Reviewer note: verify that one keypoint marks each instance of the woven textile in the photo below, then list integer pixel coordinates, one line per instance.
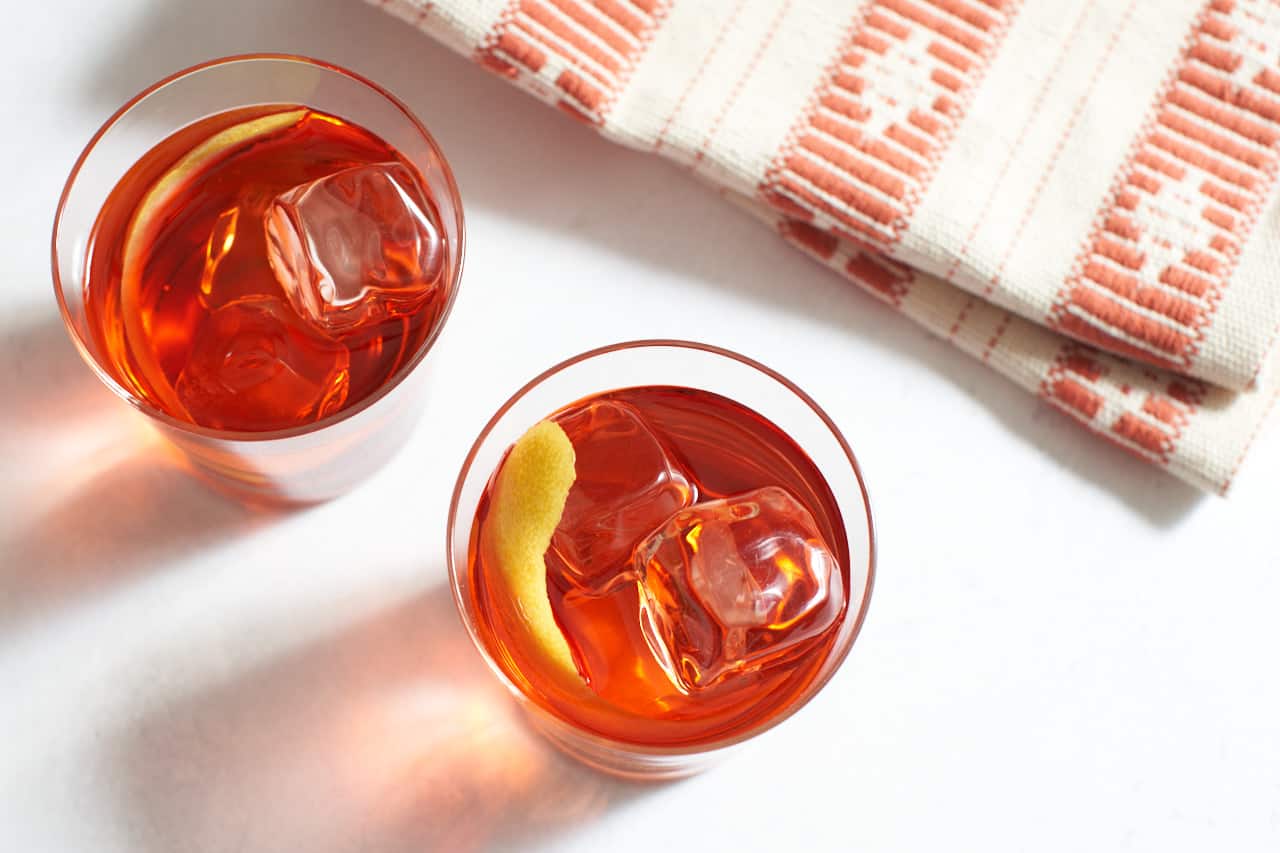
(1078, 192)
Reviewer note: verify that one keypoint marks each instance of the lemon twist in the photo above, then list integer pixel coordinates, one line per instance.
(528, 501)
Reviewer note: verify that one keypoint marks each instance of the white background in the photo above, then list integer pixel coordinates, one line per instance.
(1066, 650)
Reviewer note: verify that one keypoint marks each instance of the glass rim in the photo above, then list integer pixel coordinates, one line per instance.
(836, 658)
(343, 414)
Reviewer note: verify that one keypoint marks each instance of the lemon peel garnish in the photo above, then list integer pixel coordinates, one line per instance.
(528, 500)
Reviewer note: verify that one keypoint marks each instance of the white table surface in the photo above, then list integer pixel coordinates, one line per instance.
(1066, 650)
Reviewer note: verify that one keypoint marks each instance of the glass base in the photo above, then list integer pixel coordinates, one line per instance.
(622, 760)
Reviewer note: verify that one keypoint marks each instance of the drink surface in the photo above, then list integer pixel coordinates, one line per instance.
(699, 572)
(263, 268)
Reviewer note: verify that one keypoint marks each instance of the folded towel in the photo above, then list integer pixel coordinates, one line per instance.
(1081, 193)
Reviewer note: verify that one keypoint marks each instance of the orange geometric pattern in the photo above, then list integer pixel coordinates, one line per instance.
(867, 146)
(576, 54)
(1172, 265)
(1169, 236)
(882, 277)
(1150, 429)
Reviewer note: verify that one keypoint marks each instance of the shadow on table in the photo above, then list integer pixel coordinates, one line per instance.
(102, 500)
(387, 735)
(45, 385)
(521, 160)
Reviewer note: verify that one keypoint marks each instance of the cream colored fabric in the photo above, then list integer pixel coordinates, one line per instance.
(1078, 192)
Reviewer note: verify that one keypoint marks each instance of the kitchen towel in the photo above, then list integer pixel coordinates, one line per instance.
(1081, 193)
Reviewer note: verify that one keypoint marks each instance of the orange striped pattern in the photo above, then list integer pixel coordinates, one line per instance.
(865, 150)
(884, 278)
(841, 150)
(577, 54)
(1079, 384)
(1167, 241)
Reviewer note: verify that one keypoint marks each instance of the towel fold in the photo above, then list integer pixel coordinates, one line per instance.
(1080, 193)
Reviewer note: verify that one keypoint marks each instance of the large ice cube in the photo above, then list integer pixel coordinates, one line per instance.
(627, 486)
(733, 584)
(255, 365)
(356, 246)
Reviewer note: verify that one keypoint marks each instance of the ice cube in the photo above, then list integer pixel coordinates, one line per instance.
(733, 584)
(628, 485)
(355, 247)
(255, 365)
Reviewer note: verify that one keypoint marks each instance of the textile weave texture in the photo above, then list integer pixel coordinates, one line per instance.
(1080, 193)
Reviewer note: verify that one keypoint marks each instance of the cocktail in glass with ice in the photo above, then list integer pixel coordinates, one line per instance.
(255, 253)
(664, 566)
